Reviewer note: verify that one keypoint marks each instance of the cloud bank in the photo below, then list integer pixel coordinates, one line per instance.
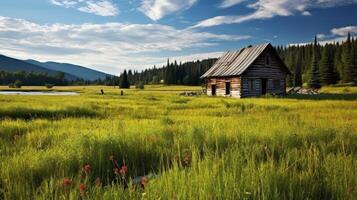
(109, 46)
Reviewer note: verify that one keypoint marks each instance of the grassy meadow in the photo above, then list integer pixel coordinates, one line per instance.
(155, 144)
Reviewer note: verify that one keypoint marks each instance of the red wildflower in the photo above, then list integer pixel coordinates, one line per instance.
(123, 170)
(87, 169)
(116, 171)
(82, 189)
(67, 182)
(144, 181)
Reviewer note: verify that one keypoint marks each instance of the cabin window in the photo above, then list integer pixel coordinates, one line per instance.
(276, 84)
(267, 60)
(228, 88)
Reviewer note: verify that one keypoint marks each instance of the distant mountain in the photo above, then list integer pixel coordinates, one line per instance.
(76, 70)
(14, 65)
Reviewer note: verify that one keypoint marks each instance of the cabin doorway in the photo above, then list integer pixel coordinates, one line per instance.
(264, 86)
(228, 88)
(213, 90)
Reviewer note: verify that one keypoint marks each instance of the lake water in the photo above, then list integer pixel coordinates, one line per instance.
(51, 93)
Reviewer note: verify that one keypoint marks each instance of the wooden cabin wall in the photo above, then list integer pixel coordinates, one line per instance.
(257, 89)
(274, 73)
(221, 86)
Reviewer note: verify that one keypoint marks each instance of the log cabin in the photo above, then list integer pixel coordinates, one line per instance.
(250, 72)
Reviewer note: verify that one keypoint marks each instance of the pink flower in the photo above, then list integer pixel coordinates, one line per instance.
(123, 170)
(87, 169)
(67, 182)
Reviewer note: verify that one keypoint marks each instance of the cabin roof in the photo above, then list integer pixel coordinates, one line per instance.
(234, 63)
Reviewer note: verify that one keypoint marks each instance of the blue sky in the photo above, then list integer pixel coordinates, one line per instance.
(112, 35)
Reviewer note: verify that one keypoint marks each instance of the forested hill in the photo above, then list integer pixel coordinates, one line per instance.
(14, 65)
(84, 73)
(336, 63)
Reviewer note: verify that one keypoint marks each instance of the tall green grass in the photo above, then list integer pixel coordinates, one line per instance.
(188, 147)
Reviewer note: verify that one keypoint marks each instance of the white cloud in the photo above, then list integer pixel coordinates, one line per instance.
(102, 8)
(109, 47)
(306, 13)
(320, 36)
(97, 7)
(157, 9)
(266, 9)
(343, 31)
(65, 3)
(230, 3)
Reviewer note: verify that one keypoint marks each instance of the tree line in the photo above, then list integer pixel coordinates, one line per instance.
(173, 73)
(319, 65)
(32, 78)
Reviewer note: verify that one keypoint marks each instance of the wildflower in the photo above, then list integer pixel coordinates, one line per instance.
(116, 171)
(98, 182)
(111, 158)
(123, 170)
(350, 190)
(82, 189)
(16, 137)
(67, 182)
(187, 159)
(144, 181)
(87, 169)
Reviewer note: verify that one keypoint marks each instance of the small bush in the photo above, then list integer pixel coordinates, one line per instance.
(18, 84)
(140, 85)
(49, 86)
(346, 90)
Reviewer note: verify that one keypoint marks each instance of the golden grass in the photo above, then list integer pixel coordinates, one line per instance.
(188, 147)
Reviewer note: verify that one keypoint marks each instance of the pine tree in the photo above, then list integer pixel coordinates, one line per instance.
(124, 81)
(354, 62)
(314, 81)
(347, 73)
(338, 61)
(328, 76)
(297, 73)
(130, 76)
(169, 73)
